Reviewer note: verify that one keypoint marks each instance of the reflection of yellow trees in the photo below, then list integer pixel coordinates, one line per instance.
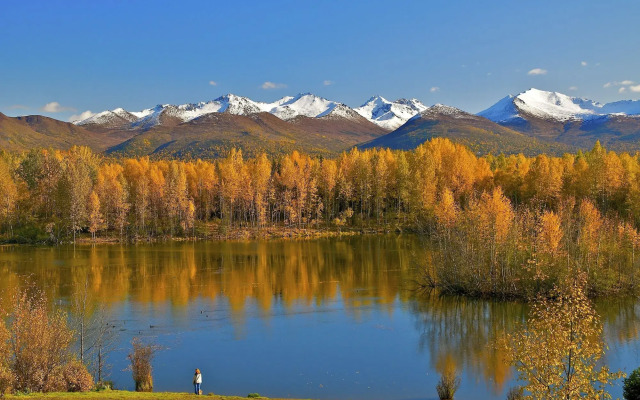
(264, 272)
(458, 333)
(621, 319)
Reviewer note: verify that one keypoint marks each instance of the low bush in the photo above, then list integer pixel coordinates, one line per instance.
(76, 377)
(40, 357)
(141, 357)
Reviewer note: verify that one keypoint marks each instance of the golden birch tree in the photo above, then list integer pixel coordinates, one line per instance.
(558, 353)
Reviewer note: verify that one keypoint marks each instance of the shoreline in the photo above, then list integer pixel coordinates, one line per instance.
(126, 395)
(213, 234)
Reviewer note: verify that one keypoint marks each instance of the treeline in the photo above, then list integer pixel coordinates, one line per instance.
(55, 195)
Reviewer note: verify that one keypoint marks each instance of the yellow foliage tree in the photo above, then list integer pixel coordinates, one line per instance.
(8, 195)
(446, 210)
(557, 355)
(550, 232)
(95, 216)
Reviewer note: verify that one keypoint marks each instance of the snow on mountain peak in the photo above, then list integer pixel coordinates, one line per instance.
(412, 103)
(110, 118)
(504, 110)
(554, 106)
(377, 99)
(288, 107)
(390, 115)
(305, 104)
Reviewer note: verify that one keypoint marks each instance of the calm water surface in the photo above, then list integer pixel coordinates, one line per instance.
(329, 318)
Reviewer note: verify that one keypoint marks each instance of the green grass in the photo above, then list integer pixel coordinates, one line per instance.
(122, 395)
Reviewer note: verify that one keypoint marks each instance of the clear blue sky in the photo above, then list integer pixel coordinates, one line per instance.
(97, 55)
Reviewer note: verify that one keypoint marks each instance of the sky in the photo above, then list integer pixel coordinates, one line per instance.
(63, 58)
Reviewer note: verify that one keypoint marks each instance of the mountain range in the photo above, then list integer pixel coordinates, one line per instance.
(378, 110)
(531, 122)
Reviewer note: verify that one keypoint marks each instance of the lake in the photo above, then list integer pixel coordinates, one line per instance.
(332, 318)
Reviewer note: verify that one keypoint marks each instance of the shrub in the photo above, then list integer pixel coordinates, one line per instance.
(448, 385)
(253, 395)
(141, 357)
(41, 343)
(71, 377)
(631, 386)
(76, 377)
(35, 349)
(7, 378)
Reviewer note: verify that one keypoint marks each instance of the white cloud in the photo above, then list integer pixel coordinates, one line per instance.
(622, 90)
(573, 88)
(213, 83)
(583, 63)
(434, 89)
(272, 85)
(626, 82)
(537, 71)
(635, 88)
(55, 107)
(18, 107)
(328, 82)
(81, 116)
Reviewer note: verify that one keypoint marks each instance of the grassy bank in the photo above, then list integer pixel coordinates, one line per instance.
(121, 394)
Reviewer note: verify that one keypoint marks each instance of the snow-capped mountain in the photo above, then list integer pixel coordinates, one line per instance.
(286, 108)
(111, 119)
(554, 106)
(305, 104)
(531, 111)
(479, 133)
(228, 103)
(390, 114)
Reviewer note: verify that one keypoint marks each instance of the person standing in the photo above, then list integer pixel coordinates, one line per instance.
(197, 381)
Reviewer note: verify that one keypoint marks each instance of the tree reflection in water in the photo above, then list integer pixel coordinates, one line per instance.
(288, 271)
(459, 332)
